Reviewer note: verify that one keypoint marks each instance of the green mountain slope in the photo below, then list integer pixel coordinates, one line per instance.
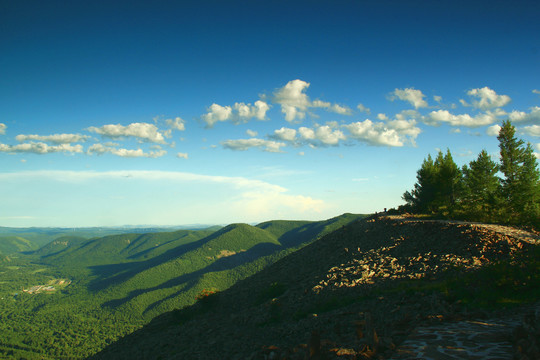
(379, 275)
(122, 248)
(115, 284)
(14, 244)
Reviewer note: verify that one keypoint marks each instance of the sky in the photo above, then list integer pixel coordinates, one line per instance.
(215, 112)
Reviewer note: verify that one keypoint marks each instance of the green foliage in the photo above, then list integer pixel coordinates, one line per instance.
(482, 188)
(476, 192)
(437, 187)
(120, 282)
(521, 182)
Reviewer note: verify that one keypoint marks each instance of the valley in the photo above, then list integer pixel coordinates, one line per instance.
(73, 296)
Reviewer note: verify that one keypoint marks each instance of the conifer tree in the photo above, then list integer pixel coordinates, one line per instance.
(521, 181)
(448, 180)
(437, 186)
(423, 194)
(481, 186)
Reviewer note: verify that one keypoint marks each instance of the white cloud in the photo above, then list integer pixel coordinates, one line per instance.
(362, 108)
(101, 149)
(336, 108)
(3, 128)
(393, 133)
(40, 148)
(294, 102)
(437, 98)
(306, 133)
(246, 112)
(438, 117)
(328, 136)
(533, 130)
(56, 138)
(285, 134)
(239, 113)
(177, 123)
(217, 113)
(486, 98)
(142, 131)
(252, 133)
(245, 144)
(523, 117)
(493, 130)
(382, 116)
(536, 91)
(411, 95)
(537, 154)
(182, 155)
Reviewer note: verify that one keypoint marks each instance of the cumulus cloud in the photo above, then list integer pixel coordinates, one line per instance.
(252, 133)
(364, 109)
(536, 91)
(40, 148)
(182, 155)
(285, 134)
(522, 117)
(437, 98)
(295, 103)
(217, 113)
(486, 98)
(239, 113)
(56, 138)
(101, 149)
(411, 95)
(3, 128)
(393, 133)
(533, 130)
(336, 108)
(328, 136)
(245, 144)
(493, 130)
(142, 131)
(176, 124)
(439, 117)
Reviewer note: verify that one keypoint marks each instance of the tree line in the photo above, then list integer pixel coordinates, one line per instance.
(507, 191)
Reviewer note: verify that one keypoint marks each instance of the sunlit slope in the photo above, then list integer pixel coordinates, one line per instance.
(121, 248)
(14, 244)
(216, 262)
(59, 245)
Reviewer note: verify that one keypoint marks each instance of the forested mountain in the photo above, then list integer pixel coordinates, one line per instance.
(79, 294)
(14, 244)
(355, 293)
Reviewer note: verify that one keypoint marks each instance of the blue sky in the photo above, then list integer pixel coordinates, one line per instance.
(168, 113)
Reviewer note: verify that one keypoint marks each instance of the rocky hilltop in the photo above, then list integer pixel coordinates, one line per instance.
(355, 293)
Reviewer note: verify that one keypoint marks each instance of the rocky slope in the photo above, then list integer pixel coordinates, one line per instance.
(355, 293)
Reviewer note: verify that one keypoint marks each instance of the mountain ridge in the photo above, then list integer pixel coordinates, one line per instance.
(364, 267)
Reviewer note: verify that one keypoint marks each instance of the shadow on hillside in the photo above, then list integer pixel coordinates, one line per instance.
(189, 280)
(124, 271)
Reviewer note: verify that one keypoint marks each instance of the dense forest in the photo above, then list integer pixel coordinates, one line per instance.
(75, 295)
(506, 192)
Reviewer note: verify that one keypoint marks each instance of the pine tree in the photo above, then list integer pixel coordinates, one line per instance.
(481, 187)
(521, 182)
(448, 180)
(437, 187)
(423, 194)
